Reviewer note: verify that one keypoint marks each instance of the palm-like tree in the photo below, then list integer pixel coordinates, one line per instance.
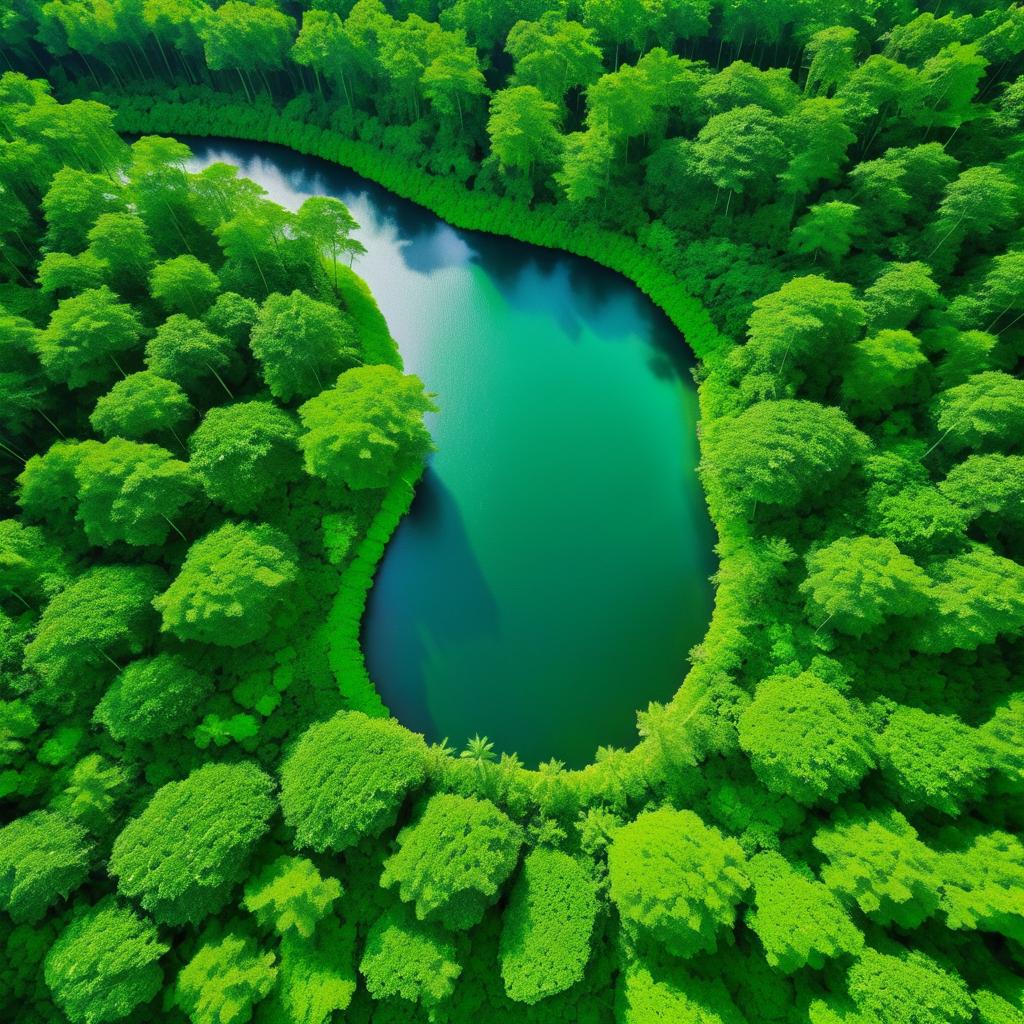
(480, 750)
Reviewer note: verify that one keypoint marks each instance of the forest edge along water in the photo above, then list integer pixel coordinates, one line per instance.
(553, 571)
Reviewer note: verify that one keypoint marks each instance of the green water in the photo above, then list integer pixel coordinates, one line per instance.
(553, 572)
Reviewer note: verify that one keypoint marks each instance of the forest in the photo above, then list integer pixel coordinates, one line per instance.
(206, 438)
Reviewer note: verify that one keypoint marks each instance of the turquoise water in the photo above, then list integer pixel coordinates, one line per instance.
(553, 572)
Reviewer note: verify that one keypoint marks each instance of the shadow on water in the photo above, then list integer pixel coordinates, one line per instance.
(430, 627)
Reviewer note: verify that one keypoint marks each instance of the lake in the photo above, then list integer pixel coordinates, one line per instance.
(552, 574)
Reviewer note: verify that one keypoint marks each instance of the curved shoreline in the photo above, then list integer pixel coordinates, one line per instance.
(503, 217)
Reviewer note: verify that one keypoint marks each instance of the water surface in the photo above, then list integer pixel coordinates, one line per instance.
(553, 572)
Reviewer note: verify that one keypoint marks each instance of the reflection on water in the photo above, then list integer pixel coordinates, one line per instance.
(553, 571)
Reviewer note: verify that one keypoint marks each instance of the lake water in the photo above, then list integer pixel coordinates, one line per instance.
(553, 572)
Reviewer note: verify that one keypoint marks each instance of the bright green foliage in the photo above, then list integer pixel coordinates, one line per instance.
(104, 614)
(184, 285)
(779, 454)
(346, 778)
(855, 584)
(185, 351)
(909, 988)
(43, 857)
(85, 336)
(979, 596)
(104, 964)
(224, 980)
(229, 586)
(679, 998)
(545, 937)
(62, 275)
(804, 738)
(131, 492)
(827, 228)
(140, 406)
(920, 520)
(882, 372)
(739, 149)
(73, 203)
(21, 375)
(232, 316)
(30, 566)
(798, 920)
(931, 760)
(1004, 733)
(676, 880)
(554, 54)
(120, 241)
(365, 429)
(326, 224)
(407, 959)
(302, 345)
(986, 411)
(244, 453)
(453, 860)
(290, 895)
(522, 129)
(152, 697)
(899, 295)
(158, 860)
(876, 861)
(316, 976)
(47, 486)
(238, 36)
(983, 885)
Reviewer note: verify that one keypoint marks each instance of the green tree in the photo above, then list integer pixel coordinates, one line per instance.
(832, 56)
(856, 583)
(43, 858)
(805, 739)
(899, 295)
(240, 37)
(326, 224)
(586, 164)
(980, 200)
(120, 242)
(22, 383)
(876, 861)
(989, 488)
(224, 980)
(740, 150)
(777, 454)
(142, 405)
(676, 996)
(346, 778)
(157, 859)
(75, 200)
(826, 228)
(244, 453)
(230, 585)
(104, 964)
(908, 988)
(523, 130)
(302, 345)
(798, 920)
(64, 275)
(451, 81)
(187, 352)
(554, 54)
(654, 864)
(232, 316)
(47, 488)
(184, 285)
(291, 896)
(31, 567)
(152, 697)
(987, 411)
(317, 976)
(545, 936)
(453, 860)
(931, 760)
(84, 337)
(131, 492)
(818, 136)
(408, 959)
(103, 615)
(362, 432)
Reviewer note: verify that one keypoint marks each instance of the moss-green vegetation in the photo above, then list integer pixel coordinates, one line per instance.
(821, 827)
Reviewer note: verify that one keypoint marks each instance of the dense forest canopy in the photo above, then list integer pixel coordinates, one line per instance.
(206, 437)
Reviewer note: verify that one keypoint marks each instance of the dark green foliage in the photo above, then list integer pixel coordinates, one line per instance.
(152, 697)
(675, 880)
(229, 586)
(408, 959)
(453, 860)
(43, 858)
(104, 964)
(365, 429)
(244, 453)
(805, 739)
(545, 937)
(158, 860)
(346, 778)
